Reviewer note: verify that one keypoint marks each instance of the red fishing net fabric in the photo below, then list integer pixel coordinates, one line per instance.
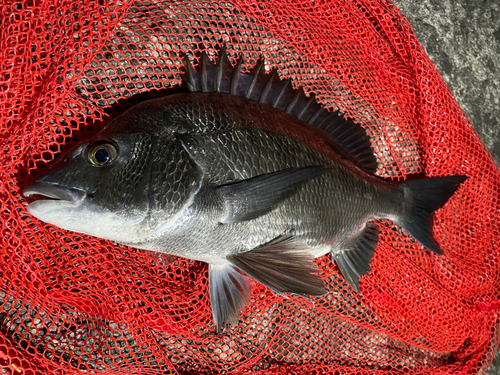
(71, 303)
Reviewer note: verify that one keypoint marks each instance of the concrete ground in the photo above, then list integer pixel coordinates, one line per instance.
(462, 37)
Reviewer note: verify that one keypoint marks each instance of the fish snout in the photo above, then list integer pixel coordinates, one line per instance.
(48, 191)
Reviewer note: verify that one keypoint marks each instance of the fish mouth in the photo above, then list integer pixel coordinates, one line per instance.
(41, 191)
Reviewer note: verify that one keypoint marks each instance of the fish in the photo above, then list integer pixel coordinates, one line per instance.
(243, 172)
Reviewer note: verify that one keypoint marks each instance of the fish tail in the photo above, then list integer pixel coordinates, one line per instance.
(426, 196)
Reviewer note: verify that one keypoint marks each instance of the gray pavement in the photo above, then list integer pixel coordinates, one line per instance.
(462, 38)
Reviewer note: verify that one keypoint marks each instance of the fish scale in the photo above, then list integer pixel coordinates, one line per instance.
(244, 173)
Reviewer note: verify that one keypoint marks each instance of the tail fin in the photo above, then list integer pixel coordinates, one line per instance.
(427, 195)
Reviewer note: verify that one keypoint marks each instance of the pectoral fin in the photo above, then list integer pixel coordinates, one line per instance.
(249, 199)
(355, 262)
(283, 265)
(229, 290)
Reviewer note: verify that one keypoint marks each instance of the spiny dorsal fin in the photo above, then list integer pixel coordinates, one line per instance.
(349, 139)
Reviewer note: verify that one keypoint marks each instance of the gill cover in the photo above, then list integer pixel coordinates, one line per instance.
(175, 178)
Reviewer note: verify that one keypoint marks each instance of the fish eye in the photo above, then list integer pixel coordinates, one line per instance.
(102, 153)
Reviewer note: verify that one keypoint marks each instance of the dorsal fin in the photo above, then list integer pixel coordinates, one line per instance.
(349, 139)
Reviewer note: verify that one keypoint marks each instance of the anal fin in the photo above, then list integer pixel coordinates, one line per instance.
(355, 262)
(229, 290)
(284, 265)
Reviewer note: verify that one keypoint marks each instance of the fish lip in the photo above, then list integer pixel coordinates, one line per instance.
(41, 190)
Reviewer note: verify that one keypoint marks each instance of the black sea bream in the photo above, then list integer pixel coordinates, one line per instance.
(244, 173)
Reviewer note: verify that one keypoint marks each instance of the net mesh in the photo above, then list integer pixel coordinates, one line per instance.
(71, 303)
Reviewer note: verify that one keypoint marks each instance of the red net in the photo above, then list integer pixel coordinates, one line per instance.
(71, 303)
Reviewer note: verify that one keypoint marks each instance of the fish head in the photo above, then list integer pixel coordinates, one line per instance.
(126, 183)
(100, 187)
